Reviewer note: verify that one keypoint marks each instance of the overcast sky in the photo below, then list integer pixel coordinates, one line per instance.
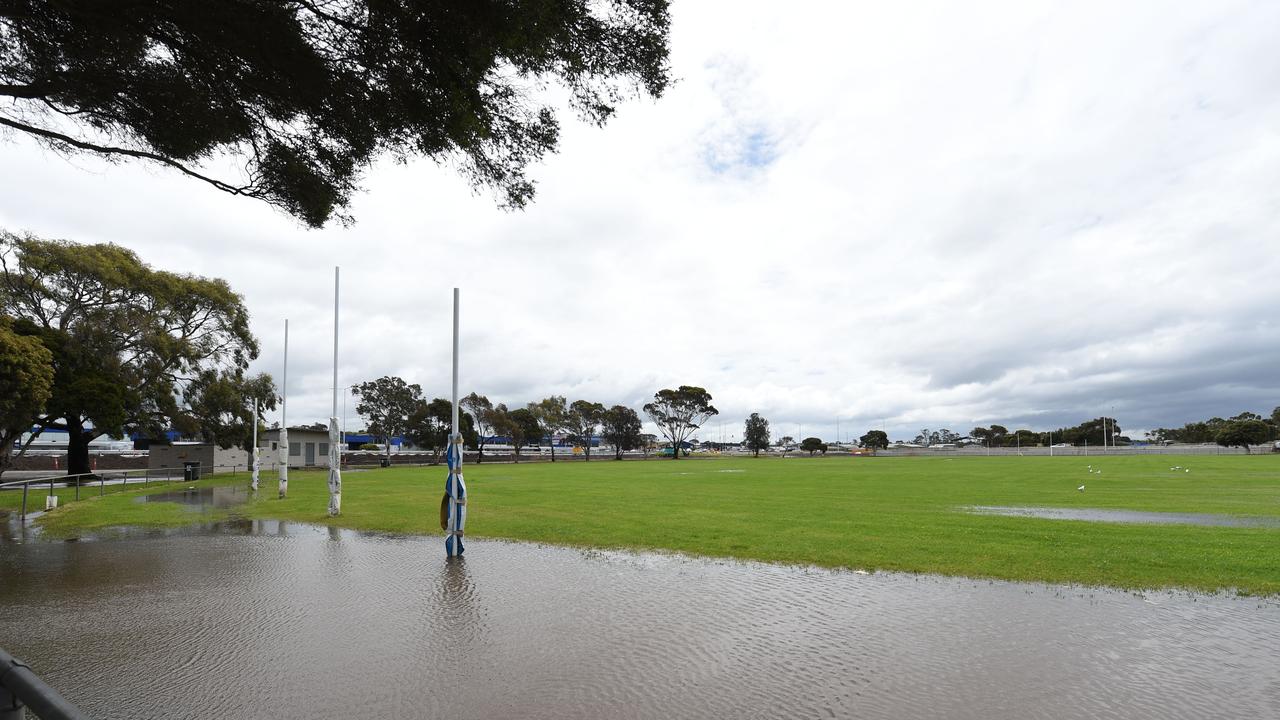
(919, 214)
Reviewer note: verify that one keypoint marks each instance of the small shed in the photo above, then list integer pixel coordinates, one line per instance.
(211, 457)
(307, 447)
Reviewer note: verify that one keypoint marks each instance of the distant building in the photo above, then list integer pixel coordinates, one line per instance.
(210, 457)
(355, 440)
(307, 448)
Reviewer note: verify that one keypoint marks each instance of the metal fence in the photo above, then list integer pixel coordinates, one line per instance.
(1075, 451)
(20, 687)
(86, 483)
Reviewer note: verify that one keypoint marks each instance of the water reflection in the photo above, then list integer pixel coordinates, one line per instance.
(1127, 516)
(201, 498)
(272, 619)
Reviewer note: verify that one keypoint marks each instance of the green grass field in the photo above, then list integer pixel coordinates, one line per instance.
(866, 513)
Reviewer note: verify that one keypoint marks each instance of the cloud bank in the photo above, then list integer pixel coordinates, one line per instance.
(933, 215)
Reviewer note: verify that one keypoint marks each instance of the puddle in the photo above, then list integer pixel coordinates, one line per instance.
(1127, 516)
(285, 620)
(198, 499)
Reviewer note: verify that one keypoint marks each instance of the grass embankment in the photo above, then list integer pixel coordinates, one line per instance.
(872, 513)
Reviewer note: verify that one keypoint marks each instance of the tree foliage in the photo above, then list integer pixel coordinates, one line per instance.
(1207, 431)
(430, 423)
(523, 427)
(755, 433)
(219, 407)
(620, 427)
(1091, 432)
(812, 445)
(874, 440)
(307, 93)
(26, 384)
(481, 411)
(582, 422)
(552, 415)
(387, 403)
(678, 413)
(126, 340)
(1244, 433)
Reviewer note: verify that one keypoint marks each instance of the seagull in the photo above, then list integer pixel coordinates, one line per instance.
(1081, 488)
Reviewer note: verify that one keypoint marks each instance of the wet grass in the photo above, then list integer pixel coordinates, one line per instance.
(11, 499)
(867, 513)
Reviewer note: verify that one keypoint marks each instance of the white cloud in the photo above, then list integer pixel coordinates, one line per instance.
(933, 214)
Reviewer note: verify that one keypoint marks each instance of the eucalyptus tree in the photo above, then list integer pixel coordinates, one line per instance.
(481, 411)
(127, 341)
(553, 416)
(431, 423)
(755, 433)
(387, 403)
(26, 383)
(307, 94)
(522, 426)
(583, 421)
(680, 412)
(620, 427)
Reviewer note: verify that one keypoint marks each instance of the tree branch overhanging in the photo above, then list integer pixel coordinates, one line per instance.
(57, 137)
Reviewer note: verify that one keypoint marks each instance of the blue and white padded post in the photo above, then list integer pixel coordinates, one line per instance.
(455, 488)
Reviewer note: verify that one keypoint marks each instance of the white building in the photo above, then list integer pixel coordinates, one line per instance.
(307, 448)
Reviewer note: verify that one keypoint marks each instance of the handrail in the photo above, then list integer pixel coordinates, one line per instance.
(20, 686)
(56, 478)
(123, 475)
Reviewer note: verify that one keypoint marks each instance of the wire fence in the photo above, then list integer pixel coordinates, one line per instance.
(1076, 451)
(70, 488)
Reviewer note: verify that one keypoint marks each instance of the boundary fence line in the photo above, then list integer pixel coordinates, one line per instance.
(102, 478)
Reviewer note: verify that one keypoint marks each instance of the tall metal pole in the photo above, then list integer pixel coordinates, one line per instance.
(253, 457)
(284, 380)
(335, 341)
(455, 364)
(284, 418)
(455, 487)
(335, 454)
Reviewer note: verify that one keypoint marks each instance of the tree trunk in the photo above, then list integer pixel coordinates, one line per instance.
(480, 458)
(77, 448)
(517, 454)
(553, 448)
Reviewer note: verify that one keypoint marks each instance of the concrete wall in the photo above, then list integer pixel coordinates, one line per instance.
(163, 457)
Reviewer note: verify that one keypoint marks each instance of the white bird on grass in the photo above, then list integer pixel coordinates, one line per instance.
(1081, 488)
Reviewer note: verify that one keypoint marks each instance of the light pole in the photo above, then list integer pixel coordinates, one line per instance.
(345, 392)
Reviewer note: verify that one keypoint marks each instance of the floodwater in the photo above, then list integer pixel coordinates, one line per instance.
(1127, 516)
(271, 619)
(201, 498)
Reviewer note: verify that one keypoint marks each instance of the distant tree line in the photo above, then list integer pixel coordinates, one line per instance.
(394, 407)
(1243, 430)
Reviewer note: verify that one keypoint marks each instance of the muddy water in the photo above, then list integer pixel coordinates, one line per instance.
(1127, 516)
(287, 621)
(201, 498)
